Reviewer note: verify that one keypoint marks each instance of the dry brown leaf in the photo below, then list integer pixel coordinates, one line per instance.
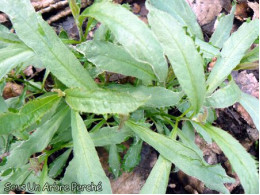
(241, 11)
(12, 90)
(208, 10)
(28, 71)
(240, 109)
(247, 83)
(255, 7)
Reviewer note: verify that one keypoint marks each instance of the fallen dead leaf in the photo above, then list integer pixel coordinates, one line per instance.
(208, 10)
(255, 7)
(241, 11)
(240, 109)
(12, 90)
(247, 83)
(28, 71)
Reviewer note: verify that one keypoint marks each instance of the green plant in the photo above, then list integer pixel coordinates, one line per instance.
(57, 121)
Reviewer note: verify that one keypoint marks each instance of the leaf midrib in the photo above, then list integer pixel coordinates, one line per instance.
(46, 45)
(186, 63)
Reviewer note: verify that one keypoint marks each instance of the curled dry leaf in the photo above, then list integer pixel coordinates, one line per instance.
(12, 90)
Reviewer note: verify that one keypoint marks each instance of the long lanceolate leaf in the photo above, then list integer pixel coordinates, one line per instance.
(223, 29)
(113, 58)
(181, 51)
(251, 104)
(184, 157)
(28, 115)
(132, 33)
(110, 135)
(12, 56)
(41, 38)
(165, 99)
(7, 38)
(86, 158)
(242, 163)
(17, 178)
(157, 181)
(37, 142)
(250, 60)
(232, 53)
(103, 101)
(181, 11)
(224, 97)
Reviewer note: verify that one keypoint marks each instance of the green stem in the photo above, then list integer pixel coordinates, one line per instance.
(26, 82)
(174, 132)
(90, 21)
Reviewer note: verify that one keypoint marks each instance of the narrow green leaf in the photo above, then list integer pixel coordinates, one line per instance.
(75, 8)
(251, 104)
(63, 134)
(232, 53)
(114, 160)
(157, 181)
(242, 162)
(250, 60)
(28, 115)
(4, 29)
(182, 12)
(224, 97)
(187, 136)
(110, 135)
(12, 56)
(132, 33)
(113, 58)
(186, 62)
(8, 38)
(58, 164)
(165, 99)
(70, 175)
(34, 178)
(43, 177)
(188, 131)
(202, 132)
(102, 101)
(45, 43)
(3, 105)
(223, 29)
(37, 142)
(206, 49)
(18, 177)
(89, 168)
(184, 157)
(133, 156)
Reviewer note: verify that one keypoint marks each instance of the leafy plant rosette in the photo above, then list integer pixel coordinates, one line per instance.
(57, 121)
